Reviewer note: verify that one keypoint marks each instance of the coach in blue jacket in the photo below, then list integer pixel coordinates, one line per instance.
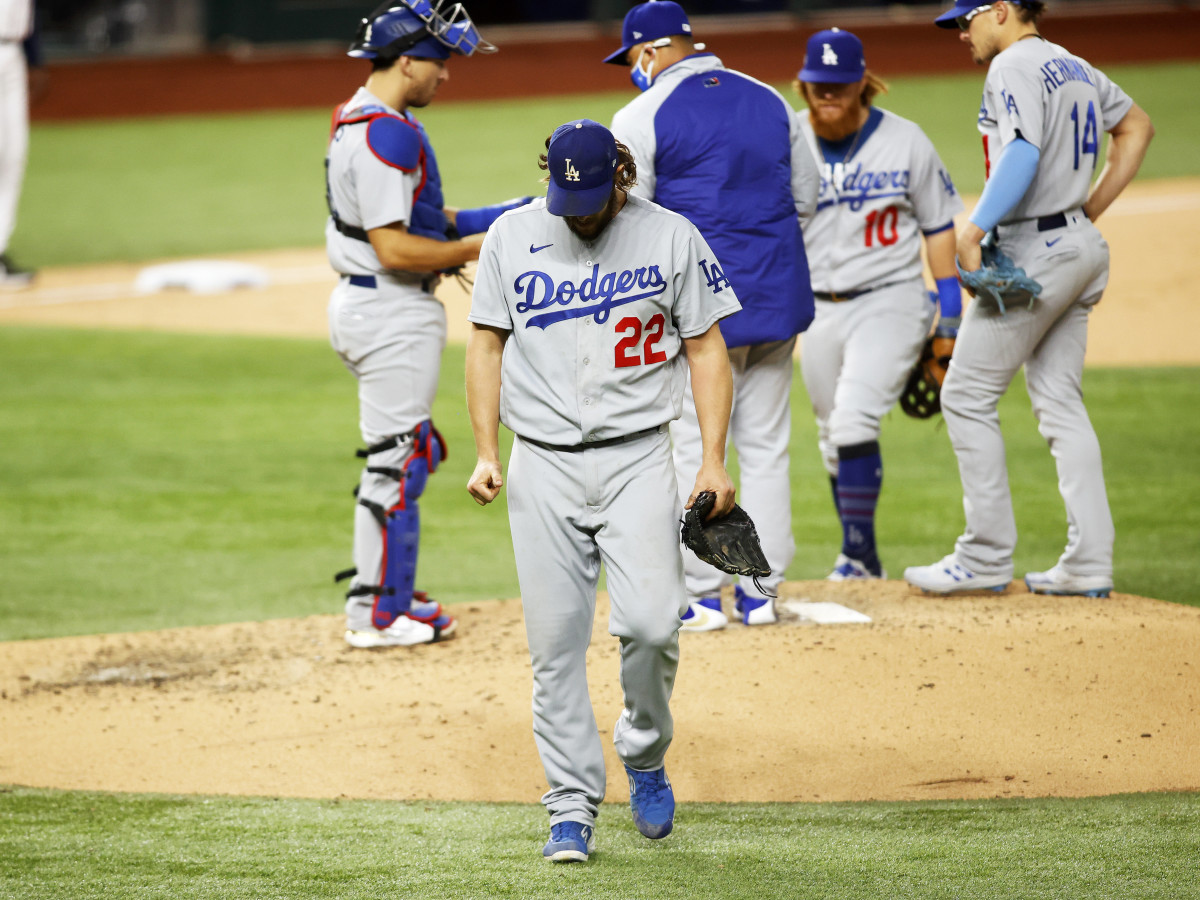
(726, 151)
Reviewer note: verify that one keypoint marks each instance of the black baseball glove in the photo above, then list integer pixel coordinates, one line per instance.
(922, 395)
(729, 542)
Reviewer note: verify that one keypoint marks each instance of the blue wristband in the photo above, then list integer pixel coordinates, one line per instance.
(1010, 179)
(474, 221)
(949, 297)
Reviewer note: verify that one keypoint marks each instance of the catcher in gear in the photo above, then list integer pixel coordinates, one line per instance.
(729, 542)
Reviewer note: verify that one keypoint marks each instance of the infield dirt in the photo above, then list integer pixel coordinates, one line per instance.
(1010, 695)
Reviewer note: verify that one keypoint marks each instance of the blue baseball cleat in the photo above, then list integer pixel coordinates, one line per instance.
(652, 802)
(569, 842)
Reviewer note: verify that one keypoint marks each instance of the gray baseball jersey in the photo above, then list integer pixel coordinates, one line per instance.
(876, 198)
(596, 327)
(1060, 104)
(366, 191)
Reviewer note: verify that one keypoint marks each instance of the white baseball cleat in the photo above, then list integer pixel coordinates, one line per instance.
(1056, 581)
(949, 577)
(755, 610)
(704, 615)
(847, 569)
(404, 632)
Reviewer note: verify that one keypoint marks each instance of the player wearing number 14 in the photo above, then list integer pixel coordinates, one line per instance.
(1041, 118)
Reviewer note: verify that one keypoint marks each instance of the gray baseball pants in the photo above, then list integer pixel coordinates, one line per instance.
(571, 511)
(1050, 340)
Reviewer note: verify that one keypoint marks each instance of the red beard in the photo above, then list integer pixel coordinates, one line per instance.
(842, 127)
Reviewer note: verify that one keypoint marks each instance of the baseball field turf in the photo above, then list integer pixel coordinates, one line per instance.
(152, 480)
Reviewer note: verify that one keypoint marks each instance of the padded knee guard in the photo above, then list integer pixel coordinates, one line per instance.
(400, 524)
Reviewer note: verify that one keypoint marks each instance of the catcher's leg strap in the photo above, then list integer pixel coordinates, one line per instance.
(400, 523)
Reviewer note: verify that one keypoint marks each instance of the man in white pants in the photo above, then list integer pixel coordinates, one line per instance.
(16, 22)
(725, 151)
(1042, 117)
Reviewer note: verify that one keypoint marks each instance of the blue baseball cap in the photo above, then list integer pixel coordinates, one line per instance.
(649, 22)
(960, 8)
(582, 158)
(833, 57)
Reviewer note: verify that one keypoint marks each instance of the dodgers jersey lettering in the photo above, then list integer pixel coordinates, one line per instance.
(597, 327)
(365, 190)
(880, 189)
(1060, 104)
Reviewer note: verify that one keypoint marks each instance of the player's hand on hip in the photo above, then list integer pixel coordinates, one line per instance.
(486, 481)
(713, 477)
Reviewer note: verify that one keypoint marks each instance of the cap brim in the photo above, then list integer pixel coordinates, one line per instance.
(562, 202)
(946, 19)
(821, 76)
(618, 58)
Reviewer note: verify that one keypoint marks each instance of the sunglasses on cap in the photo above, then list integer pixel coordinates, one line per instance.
(964, 21)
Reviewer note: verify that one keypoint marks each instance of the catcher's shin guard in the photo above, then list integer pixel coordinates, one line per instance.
(397, 516)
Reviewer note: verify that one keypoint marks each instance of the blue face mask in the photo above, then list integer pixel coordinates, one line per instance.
(641, 78)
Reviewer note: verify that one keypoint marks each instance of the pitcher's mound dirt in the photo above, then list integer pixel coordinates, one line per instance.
(1009, 695)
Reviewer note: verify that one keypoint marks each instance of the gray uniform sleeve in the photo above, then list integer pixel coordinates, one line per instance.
(637, 133)
(385, 193)
(697, 304)
(1018, 104)
(806, 178)
(1114, 102)
(934, 198)
(488, 306)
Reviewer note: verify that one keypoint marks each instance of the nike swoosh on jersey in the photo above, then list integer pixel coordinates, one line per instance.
(1053, 242)
(533, 249)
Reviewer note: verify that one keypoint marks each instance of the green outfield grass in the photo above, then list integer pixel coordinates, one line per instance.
(79, 846)
(152, 480)
(181, 186)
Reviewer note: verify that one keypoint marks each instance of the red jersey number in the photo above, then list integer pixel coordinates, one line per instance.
(626, 352)
(881, 226)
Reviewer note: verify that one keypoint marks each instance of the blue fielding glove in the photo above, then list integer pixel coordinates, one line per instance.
(474, 221)
(999, 279)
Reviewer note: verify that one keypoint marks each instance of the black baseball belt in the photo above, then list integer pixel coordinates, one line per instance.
(593, 445)
(837, 297)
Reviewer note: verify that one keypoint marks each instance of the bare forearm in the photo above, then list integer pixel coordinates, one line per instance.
(484, 354)
(397, 248)
(712, 388)
(1126, 149)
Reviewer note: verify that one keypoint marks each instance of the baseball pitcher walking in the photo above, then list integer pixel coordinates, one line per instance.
(589, 310)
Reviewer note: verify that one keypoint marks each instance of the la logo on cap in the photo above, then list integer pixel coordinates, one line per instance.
(828, 57)
(572, 172)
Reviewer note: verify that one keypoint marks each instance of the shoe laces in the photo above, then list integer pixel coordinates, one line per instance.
(565, 831)
(649, 787)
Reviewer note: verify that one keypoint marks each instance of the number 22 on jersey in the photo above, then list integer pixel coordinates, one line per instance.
(631, 350)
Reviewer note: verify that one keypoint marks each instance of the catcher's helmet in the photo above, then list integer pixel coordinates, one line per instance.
(418, 28)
